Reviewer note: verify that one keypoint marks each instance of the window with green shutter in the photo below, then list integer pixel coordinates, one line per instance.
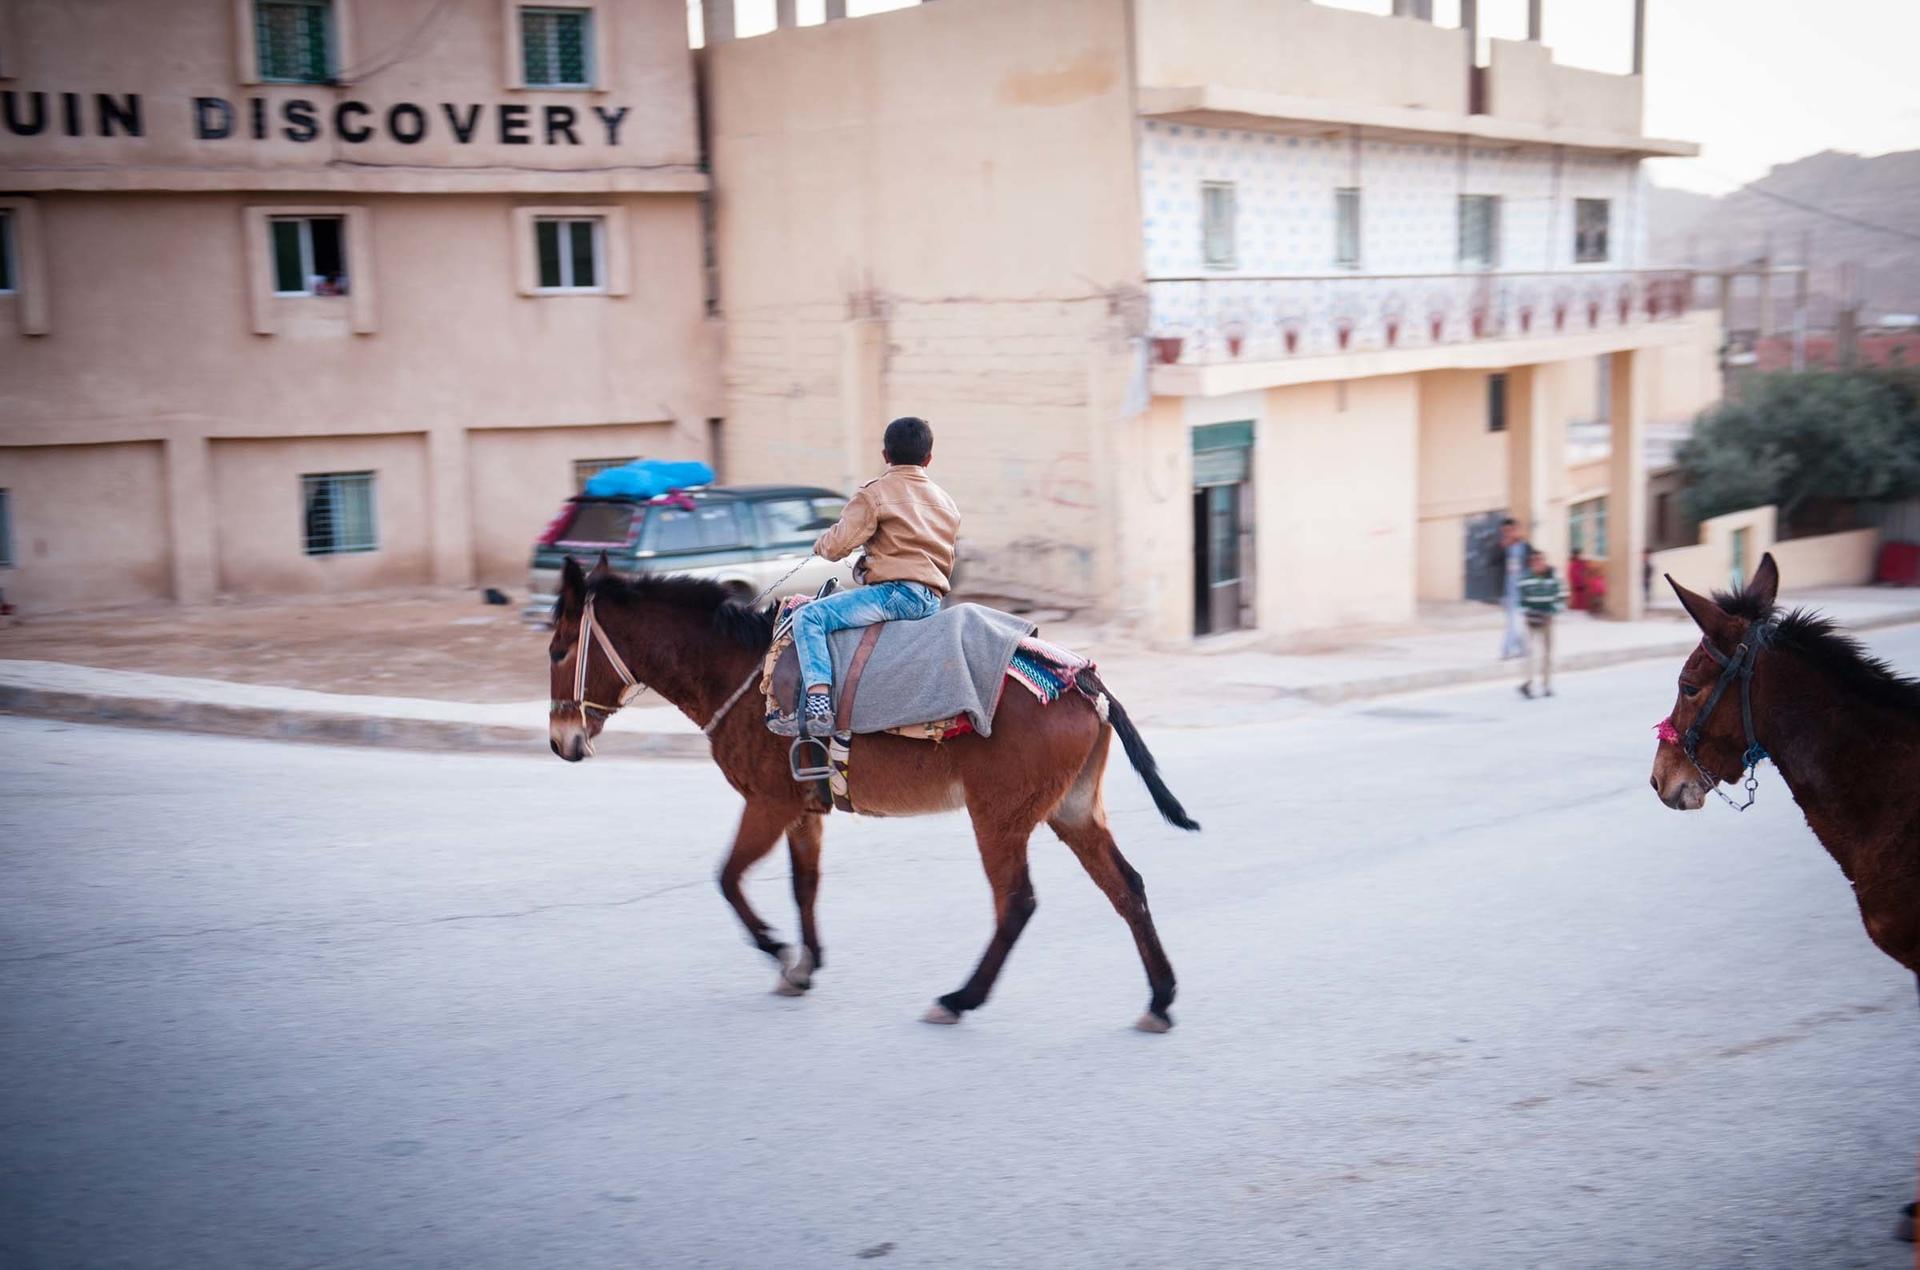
(556, 47)
(295, 39)
(568, 251)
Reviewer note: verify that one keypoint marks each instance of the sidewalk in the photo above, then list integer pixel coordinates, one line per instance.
(1220, 684)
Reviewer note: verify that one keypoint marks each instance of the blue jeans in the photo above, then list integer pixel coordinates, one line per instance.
(862, 606)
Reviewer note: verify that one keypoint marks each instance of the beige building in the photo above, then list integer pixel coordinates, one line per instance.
(315, 295)
(1227, 313)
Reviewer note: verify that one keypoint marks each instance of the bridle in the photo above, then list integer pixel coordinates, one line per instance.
(1737, 667)
(590, 634)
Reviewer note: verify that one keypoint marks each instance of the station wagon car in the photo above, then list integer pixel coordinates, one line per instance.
(745, 537)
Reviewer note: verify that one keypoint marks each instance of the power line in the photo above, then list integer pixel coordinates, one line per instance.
(1754, 188)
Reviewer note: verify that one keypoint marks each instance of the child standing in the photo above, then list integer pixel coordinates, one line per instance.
(1541, 596)
(909, 527)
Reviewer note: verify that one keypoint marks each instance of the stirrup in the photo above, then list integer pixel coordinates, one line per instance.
(809, 764)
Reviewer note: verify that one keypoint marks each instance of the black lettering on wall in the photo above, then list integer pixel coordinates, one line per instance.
(16, 124)
(212, 118)
(513, 125)
(462, 130)
(303, 124)
(407, 123)
(612, 119)
(560, 124)
(121, 115)
(258, 110)
(352, 133)
(70, 113)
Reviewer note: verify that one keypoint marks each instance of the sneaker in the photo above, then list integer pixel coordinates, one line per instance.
(1526, 690)
(1548, 692)
(817, 714)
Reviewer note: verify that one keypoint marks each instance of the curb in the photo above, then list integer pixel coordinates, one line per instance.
(321, 727)
(1497, 671)
(318, 727)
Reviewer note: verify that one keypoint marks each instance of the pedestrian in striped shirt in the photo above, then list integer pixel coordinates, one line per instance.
(1542, 595)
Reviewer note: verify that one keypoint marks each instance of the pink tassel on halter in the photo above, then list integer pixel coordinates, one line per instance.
(1667, 732)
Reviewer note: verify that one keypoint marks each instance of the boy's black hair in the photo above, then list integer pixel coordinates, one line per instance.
(908, 440)
(1507, 520)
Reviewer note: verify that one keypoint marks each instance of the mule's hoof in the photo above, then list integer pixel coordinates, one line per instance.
(796, 972)
(1151, 1022)
(937, 1013)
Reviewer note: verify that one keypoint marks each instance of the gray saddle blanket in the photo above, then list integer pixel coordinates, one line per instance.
(940, 667)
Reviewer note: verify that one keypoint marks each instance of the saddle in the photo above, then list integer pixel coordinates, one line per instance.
(931, 679)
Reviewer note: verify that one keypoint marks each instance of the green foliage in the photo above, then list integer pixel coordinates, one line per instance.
(1795, 440)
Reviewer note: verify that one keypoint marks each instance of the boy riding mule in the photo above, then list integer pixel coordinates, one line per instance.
(683, 638)
(1840, 725)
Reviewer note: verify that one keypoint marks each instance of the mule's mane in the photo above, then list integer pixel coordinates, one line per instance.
(1823, 644)
(750, 628)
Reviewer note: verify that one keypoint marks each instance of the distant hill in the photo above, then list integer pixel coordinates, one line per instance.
(1688, 228)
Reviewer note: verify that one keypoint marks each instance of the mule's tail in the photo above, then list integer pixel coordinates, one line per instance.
(1137, 752)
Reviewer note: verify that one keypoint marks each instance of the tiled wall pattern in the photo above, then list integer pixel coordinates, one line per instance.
(1285, 227)
(1285, 188)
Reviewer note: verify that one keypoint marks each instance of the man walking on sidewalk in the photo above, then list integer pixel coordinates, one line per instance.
(1513, 566)
(1541, 596)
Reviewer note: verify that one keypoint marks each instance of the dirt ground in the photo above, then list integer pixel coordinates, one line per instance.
(444, 645)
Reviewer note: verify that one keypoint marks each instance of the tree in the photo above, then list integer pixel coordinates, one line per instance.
(1800, 441)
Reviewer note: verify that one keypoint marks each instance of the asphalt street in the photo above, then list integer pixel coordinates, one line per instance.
(1455, 991)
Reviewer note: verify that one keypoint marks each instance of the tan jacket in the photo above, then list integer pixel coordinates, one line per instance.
(908, 525)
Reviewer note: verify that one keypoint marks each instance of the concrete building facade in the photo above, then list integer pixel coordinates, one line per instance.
(319, 295)
(1228, 313)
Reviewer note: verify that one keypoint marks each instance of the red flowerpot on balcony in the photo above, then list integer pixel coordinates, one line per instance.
(1526, 319)
(1393, 331)
(1293, 339)
(1166, 349)
(1479, 324)
(1436, 326)
(1559, 317)
(1235, 342)
(1625, 305)
(1343, 333)
(1593, 313)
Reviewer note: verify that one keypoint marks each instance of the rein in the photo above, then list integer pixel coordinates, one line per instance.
(631, 687)
(1737, 667)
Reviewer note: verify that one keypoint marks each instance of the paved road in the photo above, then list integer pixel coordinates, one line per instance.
(1455, 992)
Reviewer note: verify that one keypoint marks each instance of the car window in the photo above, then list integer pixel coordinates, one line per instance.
(712, 527)
(788, 522)
(826, 511)
(599, 524)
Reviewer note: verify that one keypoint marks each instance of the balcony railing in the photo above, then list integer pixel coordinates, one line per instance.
(1206, 321)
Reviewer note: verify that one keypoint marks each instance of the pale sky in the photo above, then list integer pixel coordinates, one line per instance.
(1755, 82)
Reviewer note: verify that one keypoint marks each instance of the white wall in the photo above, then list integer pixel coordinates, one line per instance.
(1409, 193)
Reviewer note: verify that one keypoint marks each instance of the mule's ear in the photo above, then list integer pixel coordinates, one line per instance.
(1712, 620)
(573, 586)
(601, 569)
(1765, 586)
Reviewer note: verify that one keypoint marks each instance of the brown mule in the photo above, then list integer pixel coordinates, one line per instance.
(1841, 726)
(683, 638)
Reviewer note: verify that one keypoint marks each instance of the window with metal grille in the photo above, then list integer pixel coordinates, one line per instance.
(585, 470)
(309, 255)
(295, 40)
(338, 510)
(556, 47)
(1479, 231)
(1346, 233)
(569, 252)
(6, 253)
(1590, 217)
(1497, 402)
(6, 531)
(1218, 207)
(1587, 527)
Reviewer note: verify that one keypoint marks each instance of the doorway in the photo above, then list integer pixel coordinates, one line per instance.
(1486, 575)
(1222, 528)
